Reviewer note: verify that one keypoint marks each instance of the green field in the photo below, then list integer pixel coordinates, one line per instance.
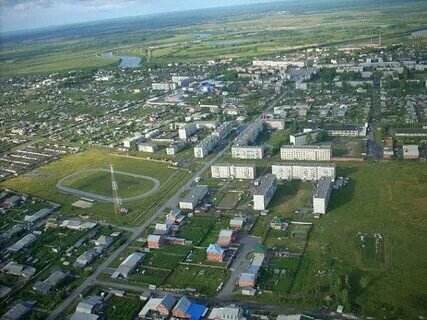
(382, 276)
(123, 308)
(205, 280)
(42, 183)
(99, 182)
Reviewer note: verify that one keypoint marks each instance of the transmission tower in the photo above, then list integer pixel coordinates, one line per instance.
(116, 198)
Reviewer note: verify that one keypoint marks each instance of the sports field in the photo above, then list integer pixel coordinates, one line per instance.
(42, 183)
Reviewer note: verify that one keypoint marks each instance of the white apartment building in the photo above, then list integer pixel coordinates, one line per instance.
(303, 171)
(175, 147)
(300, 139)
(227, 171)
(306, 153)
(264, 192)
(147, 147)
(281, 64)
(224, 129)
(321, 195)
(205, 146)
(187, 131)
(247, 152)
(163, 86)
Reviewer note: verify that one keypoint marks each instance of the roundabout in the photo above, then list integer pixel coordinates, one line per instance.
(133, 185)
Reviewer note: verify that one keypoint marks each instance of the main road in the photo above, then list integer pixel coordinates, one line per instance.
(136, 232)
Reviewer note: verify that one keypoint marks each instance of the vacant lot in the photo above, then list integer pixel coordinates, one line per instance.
(205, 280)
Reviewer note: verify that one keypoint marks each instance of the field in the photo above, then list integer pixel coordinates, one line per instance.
(99, 182)
(387, 278)
(254, 34)
(42, 183)
(123, 308)
(205, 280)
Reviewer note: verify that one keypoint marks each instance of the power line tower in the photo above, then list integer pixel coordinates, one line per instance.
(116, 198)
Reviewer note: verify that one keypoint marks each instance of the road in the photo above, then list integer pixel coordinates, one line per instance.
(171, 203)
(240, 264)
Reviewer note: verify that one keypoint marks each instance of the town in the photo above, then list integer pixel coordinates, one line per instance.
(226, 189)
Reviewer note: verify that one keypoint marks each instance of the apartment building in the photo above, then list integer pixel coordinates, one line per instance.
(227, 171)
(306, 153)
(264, 192)
(321, 195)
(303, 171)
(247, 152)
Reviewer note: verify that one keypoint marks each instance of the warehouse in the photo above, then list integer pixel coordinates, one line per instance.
(128, 265)
(193, 198)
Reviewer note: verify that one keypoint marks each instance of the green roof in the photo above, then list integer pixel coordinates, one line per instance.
(259, 249)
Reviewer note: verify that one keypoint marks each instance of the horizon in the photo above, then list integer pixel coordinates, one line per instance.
(45, 14)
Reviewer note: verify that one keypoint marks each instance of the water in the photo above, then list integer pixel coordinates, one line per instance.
(126, 61)
(419, 33)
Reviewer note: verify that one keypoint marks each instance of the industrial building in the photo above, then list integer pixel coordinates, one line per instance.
(303, 171)
(193, 198)
(321, 195)
(264, 192)
(306, 153)
(227, 171)
(128, 265)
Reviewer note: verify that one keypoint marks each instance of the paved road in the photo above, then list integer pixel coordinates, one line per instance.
(171, 203)
(60, 186)
(240, 264)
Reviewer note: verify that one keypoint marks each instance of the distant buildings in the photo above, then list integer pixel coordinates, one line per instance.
(345, 131)
(163, 86)
(264, 192)
(411, 133)
(303, 171)
(193, 198)
(388, 151)
(227, 171)
(321, 195)
(306, 153)
(127, 266)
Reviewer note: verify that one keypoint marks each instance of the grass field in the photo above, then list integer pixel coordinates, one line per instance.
(382, 274)
(387, 278)
(205, 280)
(42, 183)
(99, 182)
(123, 308)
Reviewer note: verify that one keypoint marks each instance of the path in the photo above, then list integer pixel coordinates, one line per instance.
(240, 264)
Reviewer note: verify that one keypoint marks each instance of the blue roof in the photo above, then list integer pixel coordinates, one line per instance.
(196, 311)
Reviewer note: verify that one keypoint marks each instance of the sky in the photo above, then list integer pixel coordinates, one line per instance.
(31, 14)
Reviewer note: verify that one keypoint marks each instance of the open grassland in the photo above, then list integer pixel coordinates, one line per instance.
(236, 37)
(42, 183)
(368, 252)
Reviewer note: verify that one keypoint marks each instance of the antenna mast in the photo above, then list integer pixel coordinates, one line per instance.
(116, 198)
